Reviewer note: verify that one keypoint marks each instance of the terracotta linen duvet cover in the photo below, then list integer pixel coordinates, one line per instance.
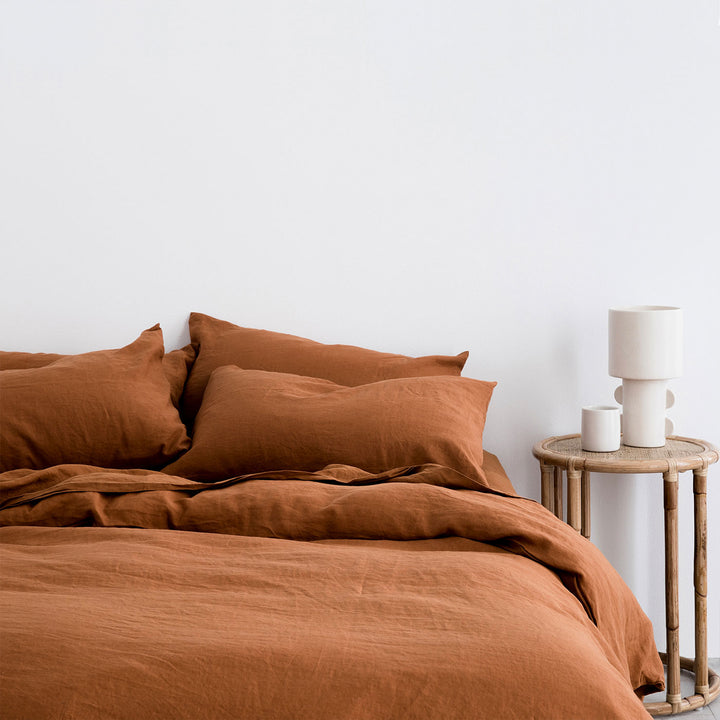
(334, 595)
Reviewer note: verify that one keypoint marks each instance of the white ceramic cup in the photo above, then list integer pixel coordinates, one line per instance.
(600, 429)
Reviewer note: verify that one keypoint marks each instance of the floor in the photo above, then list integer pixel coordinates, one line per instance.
(709, 712)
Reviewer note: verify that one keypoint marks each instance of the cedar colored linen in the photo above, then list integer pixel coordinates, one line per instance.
(221, 343)
(365, 598)
(111, 408)
(176, 365)
(253, 420)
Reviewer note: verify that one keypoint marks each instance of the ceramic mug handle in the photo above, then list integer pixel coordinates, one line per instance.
(618, 395)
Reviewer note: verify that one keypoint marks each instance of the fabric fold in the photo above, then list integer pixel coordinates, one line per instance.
(408, 504)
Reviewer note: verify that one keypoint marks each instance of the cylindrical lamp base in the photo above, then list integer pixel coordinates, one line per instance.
(643, 418)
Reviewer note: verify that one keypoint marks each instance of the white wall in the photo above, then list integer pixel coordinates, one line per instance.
(413, 176)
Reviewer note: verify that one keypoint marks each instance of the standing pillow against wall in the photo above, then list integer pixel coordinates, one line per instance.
(110, 408)
(254, 421)
(176, 365)
(221, 343)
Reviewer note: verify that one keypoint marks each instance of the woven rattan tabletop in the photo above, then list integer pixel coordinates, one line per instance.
(678, 452)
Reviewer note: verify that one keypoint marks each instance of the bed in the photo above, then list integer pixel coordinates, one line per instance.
(259, 526)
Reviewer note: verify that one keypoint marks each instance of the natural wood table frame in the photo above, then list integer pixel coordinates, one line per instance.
(678, 455)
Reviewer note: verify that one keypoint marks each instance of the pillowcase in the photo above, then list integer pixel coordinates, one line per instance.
(26, 360)
(254, 421)
(110, 408)
(176, 365)
(222, 343)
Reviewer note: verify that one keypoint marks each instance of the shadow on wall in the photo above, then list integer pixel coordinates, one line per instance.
(619, 497)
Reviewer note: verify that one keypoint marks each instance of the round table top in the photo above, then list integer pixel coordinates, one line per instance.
(677, 453)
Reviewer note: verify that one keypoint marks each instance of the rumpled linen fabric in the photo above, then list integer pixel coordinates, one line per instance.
(176, 365)
(253, 420)
(219, 343)
(336, 594)
(110, 407)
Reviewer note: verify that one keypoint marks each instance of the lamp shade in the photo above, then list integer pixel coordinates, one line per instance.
(645, 342)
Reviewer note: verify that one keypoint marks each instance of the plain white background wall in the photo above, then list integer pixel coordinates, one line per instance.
(418, 177)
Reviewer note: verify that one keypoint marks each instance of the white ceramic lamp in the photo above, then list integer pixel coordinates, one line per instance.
(645, 350)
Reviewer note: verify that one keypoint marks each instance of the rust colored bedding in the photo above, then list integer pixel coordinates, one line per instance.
(134, 594)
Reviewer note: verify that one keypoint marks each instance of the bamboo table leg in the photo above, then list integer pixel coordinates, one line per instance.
(574, 504)
(700, 582)
(707, 682)
(585, 492)
(546, 472)
(672, 615)
(558, 504)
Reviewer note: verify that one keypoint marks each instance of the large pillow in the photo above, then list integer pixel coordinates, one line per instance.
(176, 365)
(254, 421)
(111, 408)
(221, 343)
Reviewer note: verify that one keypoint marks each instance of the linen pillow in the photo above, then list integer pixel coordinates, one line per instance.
(254, 421)
(176, 365)
(26, 360)
(110, 408)
(222, 343)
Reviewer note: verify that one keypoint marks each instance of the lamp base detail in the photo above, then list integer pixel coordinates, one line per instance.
(643, 418)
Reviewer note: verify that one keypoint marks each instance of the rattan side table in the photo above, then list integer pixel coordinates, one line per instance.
(678, 455)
